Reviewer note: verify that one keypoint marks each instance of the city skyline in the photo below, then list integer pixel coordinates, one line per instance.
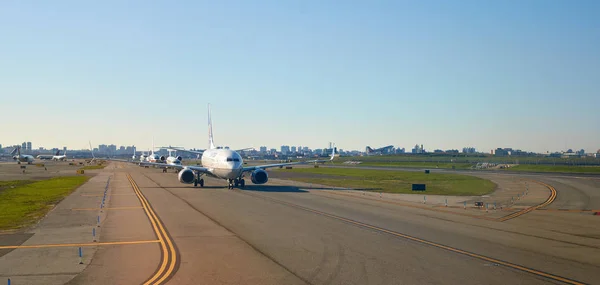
(287, 148)
(481, 74)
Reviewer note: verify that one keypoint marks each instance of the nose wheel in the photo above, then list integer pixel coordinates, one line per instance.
(240, 182)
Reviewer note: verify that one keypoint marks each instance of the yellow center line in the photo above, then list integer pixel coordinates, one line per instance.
(169, 254)
(548, 201)
(78, 244)
(114, 208)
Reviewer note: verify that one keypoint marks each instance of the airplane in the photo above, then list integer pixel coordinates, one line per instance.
(380, 150)
(21, 157)
(58, 157)
(155, 158)
(226, 164)
(47, 156)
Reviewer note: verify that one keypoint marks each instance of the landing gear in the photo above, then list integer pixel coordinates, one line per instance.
(198, 180)
(239, 182)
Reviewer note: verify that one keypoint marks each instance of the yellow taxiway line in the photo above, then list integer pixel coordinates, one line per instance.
(550, 199)
(169, 254)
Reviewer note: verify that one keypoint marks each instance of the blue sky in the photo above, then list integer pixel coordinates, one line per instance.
(446, 74)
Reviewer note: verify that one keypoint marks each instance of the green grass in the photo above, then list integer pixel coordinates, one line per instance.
(555, 168)
(26, 203)
(415, 164)
(92, 167)
(13, 183)
(396, 181)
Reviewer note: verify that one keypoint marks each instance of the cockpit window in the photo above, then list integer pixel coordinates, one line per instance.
(233, 159)
(229, 159)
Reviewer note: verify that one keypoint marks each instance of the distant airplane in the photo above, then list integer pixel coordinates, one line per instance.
(226, 164)
(47, 156)
(155, 158)
(381, 150)
(21, 157)
(58, 157)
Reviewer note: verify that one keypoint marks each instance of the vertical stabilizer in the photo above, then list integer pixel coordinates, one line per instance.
(211, 143)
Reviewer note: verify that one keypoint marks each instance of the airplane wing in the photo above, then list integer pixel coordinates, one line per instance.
(185, 150)
(252, 168)
(179, 166)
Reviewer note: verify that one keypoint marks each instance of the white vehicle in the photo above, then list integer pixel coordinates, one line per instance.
(58, 157)
(21, 157)
(226, 164)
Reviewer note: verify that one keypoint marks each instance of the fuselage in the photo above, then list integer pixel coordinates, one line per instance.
(223, 163)
(45, 156)
(59, 157)
(153, 158)
(24, 158)
(173, 160)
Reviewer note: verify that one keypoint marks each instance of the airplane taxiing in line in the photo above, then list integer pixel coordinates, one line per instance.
(226, 164)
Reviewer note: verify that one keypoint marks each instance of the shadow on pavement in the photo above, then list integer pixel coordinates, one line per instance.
(273, 188)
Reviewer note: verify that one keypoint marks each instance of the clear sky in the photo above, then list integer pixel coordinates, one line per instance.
(446, 74)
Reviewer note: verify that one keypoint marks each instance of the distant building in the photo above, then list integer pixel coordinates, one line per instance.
(24, 146)
(285, 149)
(502, 152)
(293, 149)
(263, 149)
(28, 146)
(469, 150)
(581, 152)
(438, 151)
(418, 150)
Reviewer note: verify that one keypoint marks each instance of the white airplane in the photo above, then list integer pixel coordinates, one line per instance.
(155, 158)
(47, 156)
(226, 164)
(21, 157)
(58, 157)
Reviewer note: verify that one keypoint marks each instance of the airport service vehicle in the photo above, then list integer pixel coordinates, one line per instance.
(226, 164)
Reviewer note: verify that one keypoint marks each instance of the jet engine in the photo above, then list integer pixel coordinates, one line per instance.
(179, 158)
(163, 158)
(259, 176)
(186, 176)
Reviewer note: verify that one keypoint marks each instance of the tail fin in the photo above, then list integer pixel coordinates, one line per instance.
(211, 143)
(57, 152)
(332, 153)
(92, 151)
(369, 149)
(14, 151)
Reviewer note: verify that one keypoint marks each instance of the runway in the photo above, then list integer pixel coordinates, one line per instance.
(279, 233)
